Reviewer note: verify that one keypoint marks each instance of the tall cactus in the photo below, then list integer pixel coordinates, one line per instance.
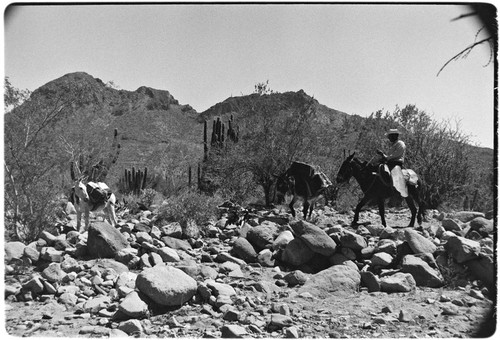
(133, 181)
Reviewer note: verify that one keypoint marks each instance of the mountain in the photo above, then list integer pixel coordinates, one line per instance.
(156, 131)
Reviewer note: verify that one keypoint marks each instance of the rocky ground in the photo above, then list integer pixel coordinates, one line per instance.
(267, 276)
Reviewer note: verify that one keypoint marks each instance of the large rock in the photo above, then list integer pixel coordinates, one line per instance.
(220, 289)
(397, 283)
(244, 250)
(133, 306)
(423, 274)
(297, 252)
(482, 225)
(317, 240)
(53, 273)
(418, 243)
(462, 249)
(283, 239)
(176, 243)
(104, 240)
(166, 285)
(465, 216)
(263, 235)
(351, 240)
(339, 279)
(14, 251)
(483, 268)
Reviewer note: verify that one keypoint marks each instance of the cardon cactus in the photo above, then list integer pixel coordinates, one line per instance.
(133, 181)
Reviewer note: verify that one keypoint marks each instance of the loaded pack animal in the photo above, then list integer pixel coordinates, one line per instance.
(92, 197)
(302, 181)
(377, 186)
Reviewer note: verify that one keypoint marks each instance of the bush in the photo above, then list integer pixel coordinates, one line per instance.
(189, 206)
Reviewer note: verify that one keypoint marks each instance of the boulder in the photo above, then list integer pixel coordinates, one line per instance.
(483, 268)
(397, 283)
(451, 225)
(423, 274)
(418, 243)
(482, 225)
(166, 285)
(168, 254)
(465, 216)
(53, 273)
(263, 235)
(104, 240)
(244, 250)
(132, 305)
(297, 252)
(352, 240)
(462, 249)
(370, 281)
(381, 259)
(232, 331)
(176, 243)
(295, 278)
(219, 289)
(283, 239)
(14, 251)
(315, 238)
(339, 279)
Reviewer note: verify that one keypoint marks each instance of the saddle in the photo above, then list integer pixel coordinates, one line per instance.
(99, 194)
(310, 175)
(398, 178)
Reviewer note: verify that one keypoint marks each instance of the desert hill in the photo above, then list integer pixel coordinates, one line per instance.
(158, 132)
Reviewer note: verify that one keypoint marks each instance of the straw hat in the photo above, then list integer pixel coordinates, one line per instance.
(392, 132)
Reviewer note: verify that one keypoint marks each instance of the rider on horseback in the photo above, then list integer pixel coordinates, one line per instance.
(395, 159)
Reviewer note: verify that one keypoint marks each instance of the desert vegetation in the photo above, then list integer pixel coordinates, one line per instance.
(257, 137)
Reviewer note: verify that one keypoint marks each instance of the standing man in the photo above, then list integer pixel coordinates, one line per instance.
(395, 159)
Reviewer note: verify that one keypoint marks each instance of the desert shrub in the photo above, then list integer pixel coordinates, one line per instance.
(189, 206)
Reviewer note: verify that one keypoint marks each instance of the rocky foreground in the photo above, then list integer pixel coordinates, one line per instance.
(265, 276)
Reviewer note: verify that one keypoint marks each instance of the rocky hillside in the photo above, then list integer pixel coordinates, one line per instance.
(255, 274)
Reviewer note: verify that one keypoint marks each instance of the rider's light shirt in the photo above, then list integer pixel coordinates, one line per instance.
(397, 151)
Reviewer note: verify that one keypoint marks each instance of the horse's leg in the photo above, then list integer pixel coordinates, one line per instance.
(311, 208)
(292, 202)
(413, 209)
(112, 214)
(358, 209)
(305, 208)
(78, 209)
(381, 211)
(87, 213)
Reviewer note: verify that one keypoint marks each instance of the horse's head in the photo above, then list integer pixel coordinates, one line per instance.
(284, 184)
(81, 191)
(345, 172)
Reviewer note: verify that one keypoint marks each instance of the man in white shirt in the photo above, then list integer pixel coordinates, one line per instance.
(395, 159)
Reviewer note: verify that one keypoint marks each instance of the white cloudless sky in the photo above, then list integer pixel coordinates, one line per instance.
(355, 58)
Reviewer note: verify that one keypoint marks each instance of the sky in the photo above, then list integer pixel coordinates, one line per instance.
(351, 57)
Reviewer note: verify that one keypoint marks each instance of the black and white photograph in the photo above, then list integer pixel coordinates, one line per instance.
(250, 169)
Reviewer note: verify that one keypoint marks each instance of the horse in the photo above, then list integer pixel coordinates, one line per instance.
(304, 182)
(92, 197)
(374, 187)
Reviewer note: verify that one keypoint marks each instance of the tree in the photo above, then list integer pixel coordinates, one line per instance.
(272, 134)
(44, 132)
